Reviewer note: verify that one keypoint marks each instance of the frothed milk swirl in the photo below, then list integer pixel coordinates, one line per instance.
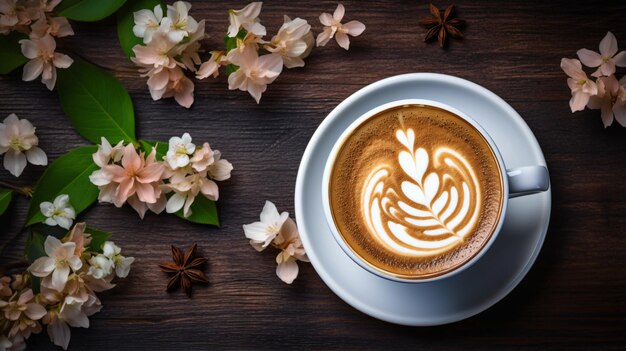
(415, 191)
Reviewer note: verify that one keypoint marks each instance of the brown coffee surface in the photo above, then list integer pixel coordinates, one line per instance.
(416, 191)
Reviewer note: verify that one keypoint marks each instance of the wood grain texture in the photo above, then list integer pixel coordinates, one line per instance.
(573, 298)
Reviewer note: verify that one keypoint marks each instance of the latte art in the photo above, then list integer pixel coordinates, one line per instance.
(430, 213)
(415, 191)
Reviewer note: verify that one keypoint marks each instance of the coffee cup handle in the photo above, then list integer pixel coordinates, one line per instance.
(528, 180)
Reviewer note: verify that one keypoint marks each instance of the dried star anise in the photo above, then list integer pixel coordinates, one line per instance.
(185, 269)
(442, 26)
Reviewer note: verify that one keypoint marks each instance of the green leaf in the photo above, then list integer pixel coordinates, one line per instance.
(96, 103)
(5, 199)
(11, 52)
(34, 246)
(126, 22)
(69, 174)
(88, 10)
(98, 237)
(204, 211)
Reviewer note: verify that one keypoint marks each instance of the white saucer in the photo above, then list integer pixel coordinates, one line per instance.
(467, 293)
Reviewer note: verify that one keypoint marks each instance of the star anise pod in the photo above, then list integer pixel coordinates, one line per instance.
(442, 26)
(186, 269)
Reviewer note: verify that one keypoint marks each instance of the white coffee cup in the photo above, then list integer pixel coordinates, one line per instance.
(520, 181)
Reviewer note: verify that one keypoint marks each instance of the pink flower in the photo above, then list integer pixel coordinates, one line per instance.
(606, 59)
(156, 55)
(288, 241)
(43, 60)
(254, 72)
(581, 86)
(137, 180)
(25, 305)
(212, 65)
(334, 27)
(8, 15)
(180, 87)
(55, 26)
(220, 168)
(611, 100)
(202, 158)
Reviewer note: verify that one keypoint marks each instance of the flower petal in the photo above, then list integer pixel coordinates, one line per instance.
(42, 267)
(36, 156)
(35, 311)
(175, 203)
(339, 12)
(59, 277)
(578, 101)
(620, 59)
(589, 58)
(608, 45)
(287, 270)
(354, 28)
(343, 40)
(619, 110)
(326, 19)
(14, 162)
(573, 68)
(324, 37)
(32, 70)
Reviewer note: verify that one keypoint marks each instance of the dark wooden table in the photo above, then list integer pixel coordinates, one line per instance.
(573, 298)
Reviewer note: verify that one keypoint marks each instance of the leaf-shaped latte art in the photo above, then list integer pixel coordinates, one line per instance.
(436, 206)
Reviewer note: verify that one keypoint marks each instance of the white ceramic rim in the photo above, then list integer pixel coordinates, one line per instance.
(299, 201)
(326, 187)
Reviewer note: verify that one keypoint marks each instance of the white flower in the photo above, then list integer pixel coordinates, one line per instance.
(43, 60)
(179, 150)
(19, 142)
(606, 59)
(334, 27)
(121, 263)
(293, 42)
(220, 168)
(59, 261)
(147, 23)
(100, 266)
(254, 73)
(179, 22)
(106, 152)
(247, 18)
(186, 188)
(59, 213)
(262, 233)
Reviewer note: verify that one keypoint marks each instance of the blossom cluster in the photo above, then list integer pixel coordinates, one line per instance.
(143, 181)
(280, 231)
(19, 144)
(171, 45)
(606, 93)
(34, 18)
(71, 274)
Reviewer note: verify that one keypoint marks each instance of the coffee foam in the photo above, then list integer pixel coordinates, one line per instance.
(416, 191)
